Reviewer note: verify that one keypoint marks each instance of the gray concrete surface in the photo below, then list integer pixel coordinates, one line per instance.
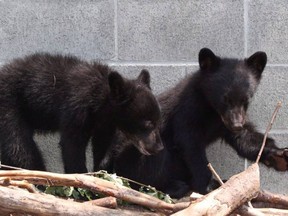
(165, 37)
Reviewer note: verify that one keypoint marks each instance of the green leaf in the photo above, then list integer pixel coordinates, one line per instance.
(67, 191)
(155, 193)
(76, 195)
(85, 194)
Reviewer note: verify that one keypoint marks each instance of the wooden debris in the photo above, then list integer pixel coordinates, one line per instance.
(271, 200)
(14, 200)
(94, 184)
(235, 192)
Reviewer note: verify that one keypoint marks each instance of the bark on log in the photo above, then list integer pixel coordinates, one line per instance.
(108, 202)
(15, 200)
(242, 210)
(235, 192)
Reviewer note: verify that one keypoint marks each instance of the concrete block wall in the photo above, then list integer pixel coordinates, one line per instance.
(165, 37)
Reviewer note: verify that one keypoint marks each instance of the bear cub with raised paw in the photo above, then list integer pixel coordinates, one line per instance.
(208, 105)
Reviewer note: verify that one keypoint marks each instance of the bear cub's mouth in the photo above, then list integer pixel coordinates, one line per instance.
(232, 125)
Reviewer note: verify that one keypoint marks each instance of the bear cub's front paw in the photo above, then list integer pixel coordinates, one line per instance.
(278, 159)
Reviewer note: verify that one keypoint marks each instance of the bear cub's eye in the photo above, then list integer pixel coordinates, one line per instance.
(244, 100)
(227, 100)
(148, 125)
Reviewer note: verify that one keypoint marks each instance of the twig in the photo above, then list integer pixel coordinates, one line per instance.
(268, 129)
(10, 167)
(215, 173)
(21, 184)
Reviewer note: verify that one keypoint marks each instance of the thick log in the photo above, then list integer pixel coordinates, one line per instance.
(235, 192)
(15, 200)
(242, 210)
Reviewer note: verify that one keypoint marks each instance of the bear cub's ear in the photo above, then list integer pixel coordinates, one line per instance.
(144, 78)
(257, 61)
(207, 59)
(116, 84)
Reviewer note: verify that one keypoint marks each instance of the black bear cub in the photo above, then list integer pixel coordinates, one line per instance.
(81, 100)
(208, 105)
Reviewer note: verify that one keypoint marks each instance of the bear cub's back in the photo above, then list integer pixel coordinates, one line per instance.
(43, 86)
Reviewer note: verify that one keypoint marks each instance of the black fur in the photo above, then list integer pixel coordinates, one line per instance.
(210, 104)
(48, 93)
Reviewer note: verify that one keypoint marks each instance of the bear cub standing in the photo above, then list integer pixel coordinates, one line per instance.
(208, 105)
(81, 100)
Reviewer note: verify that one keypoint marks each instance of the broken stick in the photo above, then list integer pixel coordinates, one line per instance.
(15, 200)
(235, 192)
(94, 184)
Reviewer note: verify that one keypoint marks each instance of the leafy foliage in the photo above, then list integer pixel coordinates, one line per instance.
(72, 192)
(112, 178)
(155, 193)
(85, 194)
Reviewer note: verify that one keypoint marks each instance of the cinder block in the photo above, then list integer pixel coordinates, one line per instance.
(162, 77)
(268, 29)
(177, 30)
(224, 159)
(227, 163)
(273, 88)
(50, 149)
(84, 28)
(273, 181)
(51, 152)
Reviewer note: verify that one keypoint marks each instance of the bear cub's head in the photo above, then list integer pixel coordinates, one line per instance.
(229, 84)
(137, 111)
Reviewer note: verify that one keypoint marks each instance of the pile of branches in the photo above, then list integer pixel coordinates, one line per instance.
(18, 195)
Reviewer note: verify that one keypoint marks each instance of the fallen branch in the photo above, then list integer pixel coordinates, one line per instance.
(273, 211)
(15, 200)
(235, 192)
(21, 184)
(94, 184)
(271, 200)
(242, 210)
(247, 211)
